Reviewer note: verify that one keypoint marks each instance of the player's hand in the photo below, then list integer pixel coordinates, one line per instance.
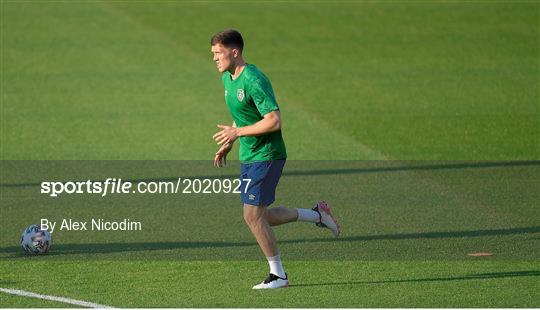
(220, 159)
(227, 134)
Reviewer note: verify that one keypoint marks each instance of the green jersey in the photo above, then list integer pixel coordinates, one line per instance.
(249, 97)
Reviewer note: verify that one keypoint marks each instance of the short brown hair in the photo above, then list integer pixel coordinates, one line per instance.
(228, 38)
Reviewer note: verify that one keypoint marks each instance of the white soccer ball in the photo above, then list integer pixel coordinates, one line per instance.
(36, 241)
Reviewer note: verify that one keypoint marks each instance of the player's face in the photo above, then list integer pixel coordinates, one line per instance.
(224, 57)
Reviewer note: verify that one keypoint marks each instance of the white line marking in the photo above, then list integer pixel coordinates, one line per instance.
(53, 298)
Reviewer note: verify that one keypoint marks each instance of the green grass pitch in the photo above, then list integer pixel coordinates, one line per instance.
(355, 80)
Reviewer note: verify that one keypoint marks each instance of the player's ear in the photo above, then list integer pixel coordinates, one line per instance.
(235, 52)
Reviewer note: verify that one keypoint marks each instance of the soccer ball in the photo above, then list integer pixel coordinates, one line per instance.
(36, 241)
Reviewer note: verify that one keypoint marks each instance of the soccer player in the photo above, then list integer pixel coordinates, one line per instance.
(257, 124)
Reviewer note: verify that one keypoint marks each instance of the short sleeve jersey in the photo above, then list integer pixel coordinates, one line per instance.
(249, 97)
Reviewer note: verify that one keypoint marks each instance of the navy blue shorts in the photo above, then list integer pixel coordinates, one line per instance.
(264, 177)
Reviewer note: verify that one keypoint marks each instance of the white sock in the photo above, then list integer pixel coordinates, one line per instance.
(308, 215)
(275, 266)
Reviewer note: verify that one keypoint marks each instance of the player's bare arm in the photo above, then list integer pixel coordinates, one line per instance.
(220, 158)
(271, 122)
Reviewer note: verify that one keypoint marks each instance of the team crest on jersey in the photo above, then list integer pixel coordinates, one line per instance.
(240, 95)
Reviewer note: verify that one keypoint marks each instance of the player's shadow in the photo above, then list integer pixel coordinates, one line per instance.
(479, 276)
(100, 248)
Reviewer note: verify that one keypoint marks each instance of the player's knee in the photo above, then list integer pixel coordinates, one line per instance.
(250, 218)
(253, 215)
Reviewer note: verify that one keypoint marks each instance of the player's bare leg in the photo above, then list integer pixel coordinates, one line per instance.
(281, 215)
(255, 218)
(320, 215)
